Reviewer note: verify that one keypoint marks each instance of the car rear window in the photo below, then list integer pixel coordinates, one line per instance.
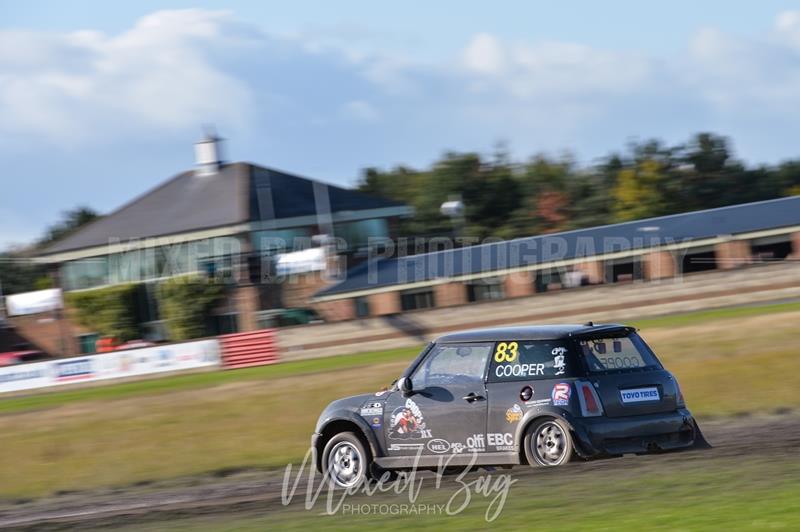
(617, 353)
(523, 360)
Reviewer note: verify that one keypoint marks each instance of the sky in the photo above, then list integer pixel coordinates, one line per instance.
(100, 101)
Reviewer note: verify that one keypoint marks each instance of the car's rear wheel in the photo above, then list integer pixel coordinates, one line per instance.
(548, 443)
(345, 461)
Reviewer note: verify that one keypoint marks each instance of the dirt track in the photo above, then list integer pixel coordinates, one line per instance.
(260, 491)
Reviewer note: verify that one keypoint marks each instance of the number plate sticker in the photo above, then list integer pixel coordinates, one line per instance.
(639, 395)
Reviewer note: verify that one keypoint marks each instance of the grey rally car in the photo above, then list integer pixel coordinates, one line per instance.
(536, 395)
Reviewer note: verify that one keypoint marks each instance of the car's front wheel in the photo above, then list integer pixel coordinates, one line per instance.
(548, 443)
(345, 461)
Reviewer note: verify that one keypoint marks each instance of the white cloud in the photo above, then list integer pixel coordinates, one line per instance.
(174, 70)
(93, 102)
(787, 26)
(484, 54)
(157, 75)
(361, 111)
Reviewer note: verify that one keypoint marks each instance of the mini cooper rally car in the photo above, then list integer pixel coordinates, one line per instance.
(518, 395)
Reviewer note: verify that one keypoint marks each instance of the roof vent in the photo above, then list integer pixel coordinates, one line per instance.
(208, 154)
(589, 324)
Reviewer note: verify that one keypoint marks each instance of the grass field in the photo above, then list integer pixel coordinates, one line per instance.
(734, 361)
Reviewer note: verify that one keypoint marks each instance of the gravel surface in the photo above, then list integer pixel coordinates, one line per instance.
(251, 490)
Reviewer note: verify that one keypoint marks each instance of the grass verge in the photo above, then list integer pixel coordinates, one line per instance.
(736, 494)
(262, 417)
(194, 381)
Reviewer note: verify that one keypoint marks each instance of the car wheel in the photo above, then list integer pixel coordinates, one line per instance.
(345, 462)
(548, 443)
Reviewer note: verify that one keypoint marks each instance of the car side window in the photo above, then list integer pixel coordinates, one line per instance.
(452, 364)
(525, 360)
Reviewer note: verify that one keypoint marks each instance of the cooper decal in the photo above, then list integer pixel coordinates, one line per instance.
(561, 393)
(407, 422)
(519, 370)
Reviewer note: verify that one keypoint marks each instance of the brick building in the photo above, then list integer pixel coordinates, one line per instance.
(641, 250)
(271, 234)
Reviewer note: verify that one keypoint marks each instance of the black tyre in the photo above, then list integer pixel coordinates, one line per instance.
(345, 461)
(548, 443)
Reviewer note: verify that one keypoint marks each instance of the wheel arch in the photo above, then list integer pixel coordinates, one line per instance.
(530, 419)
(345, 422)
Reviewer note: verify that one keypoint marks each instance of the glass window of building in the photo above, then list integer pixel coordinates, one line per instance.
(417, 299)
(485, 290)
(361, 306)
(357, 234)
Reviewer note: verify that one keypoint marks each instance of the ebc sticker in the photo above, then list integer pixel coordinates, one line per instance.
(501, 441)
(561, 393)
(407, 422)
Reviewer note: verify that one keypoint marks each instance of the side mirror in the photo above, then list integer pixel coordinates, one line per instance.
(405, 385)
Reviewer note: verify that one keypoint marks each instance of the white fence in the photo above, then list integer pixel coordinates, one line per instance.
(113, 365)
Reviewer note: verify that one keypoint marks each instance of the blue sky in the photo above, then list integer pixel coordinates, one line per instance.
(100, 101)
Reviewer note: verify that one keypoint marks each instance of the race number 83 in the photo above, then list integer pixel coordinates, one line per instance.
(506, 352)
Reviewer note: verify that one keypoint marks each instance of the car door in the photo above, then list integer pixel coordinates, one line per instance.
(446, 412)
(524, 376)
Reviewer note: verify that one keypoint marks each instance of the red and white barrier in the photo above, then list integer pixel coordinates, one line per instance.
(255, 348)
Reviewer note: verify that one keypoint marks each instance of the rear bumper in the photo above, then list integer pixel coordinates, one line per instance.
(652, 433)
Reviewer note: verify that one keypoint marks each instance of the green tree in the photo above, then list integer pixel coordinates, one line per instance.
(508, 199)
(639, 191)
(18, 273)
(185, 303)
(70, 221)
(109, 311)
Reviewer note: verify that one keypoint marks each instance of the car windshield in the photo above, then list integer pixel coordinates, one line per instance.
(617, 353)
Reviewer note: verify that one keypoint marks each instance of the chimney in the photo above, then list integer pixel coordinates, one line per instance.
(208, 154)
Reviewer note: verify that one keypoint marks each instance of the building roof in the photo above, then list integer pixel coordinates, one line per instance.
(239, 193)
(629, 238)
(532, 332)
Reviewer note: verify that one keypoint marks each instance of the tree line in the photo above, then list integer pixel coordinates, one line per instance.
(18, 273)
(509, 199)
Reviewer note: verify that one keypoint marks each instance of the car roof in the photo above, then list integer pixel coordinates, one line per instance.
(534, 332)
